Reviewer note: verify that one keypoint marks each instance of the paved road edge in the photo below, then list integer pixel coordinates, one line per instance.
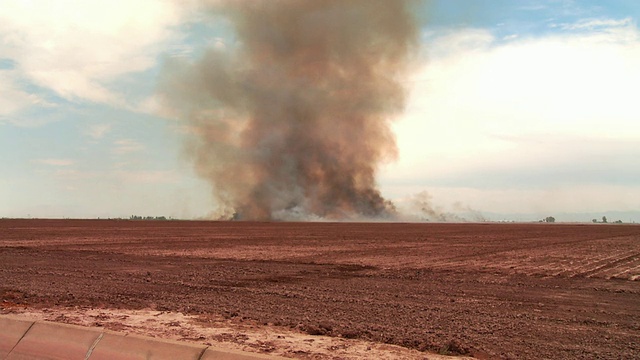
(22, 339)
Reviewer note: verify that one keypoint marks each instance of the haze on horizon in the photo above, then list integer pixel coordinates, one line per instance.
(515, 110)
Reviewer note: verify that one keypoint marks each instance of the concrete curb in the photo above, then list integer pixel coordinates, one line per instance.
(41, 340)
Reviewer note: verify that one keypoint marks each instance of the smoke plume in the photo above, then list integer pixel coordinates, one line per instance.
(421, 204)
(293, 118)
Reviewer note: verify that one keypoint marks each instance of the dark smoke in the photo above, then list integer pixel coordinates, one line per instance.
(294, 118)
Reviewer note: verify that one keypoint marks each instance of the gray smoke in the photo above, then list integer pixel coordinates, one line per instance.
(422, 205)
(293, 120)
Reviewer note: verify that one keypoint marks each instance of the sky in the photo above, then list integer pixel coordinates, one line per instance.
(516, 110)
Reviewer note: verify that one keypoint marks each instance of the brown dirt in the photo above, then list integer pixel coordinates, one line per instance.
(525, 291)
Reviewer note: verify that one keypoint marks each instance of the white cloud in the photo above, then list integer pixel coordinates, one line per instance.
(77, 48)
(98, 131)
(147, 177)
(473, 88)
(76, 175)
(12, 98)
(151, 105)
(591, 24)
(482, 105)
(56, 162)
(127, 146)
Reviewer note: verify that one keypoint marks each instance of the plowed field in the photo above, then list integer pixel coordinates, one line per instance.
(521, 291)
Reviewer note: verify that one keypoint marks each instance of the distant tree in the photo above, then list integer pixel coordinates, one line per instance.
(604, 219)
(594, 221)
(618, 222)
(550, 219)
(137, 217)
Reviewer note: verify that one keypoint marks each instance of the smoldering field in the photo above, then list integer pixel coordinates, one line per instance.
(525, 291)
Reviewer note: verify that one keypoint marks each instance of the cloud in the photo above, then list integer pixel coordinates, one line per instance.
(592, 24)
(555, 80)
(535, 162)
(80, 177)
(55, 162)
(147, 177)
(127, 146)
(531, 113)
(98, 131)
(76, 175)
(78, 48)
(12, 98)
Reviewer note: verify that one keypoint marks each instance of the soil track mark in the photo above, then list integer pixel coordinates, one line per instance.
(615, 263)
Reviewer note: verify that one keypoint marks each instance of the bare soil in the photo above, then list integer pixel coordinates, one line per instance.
(521, 291)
